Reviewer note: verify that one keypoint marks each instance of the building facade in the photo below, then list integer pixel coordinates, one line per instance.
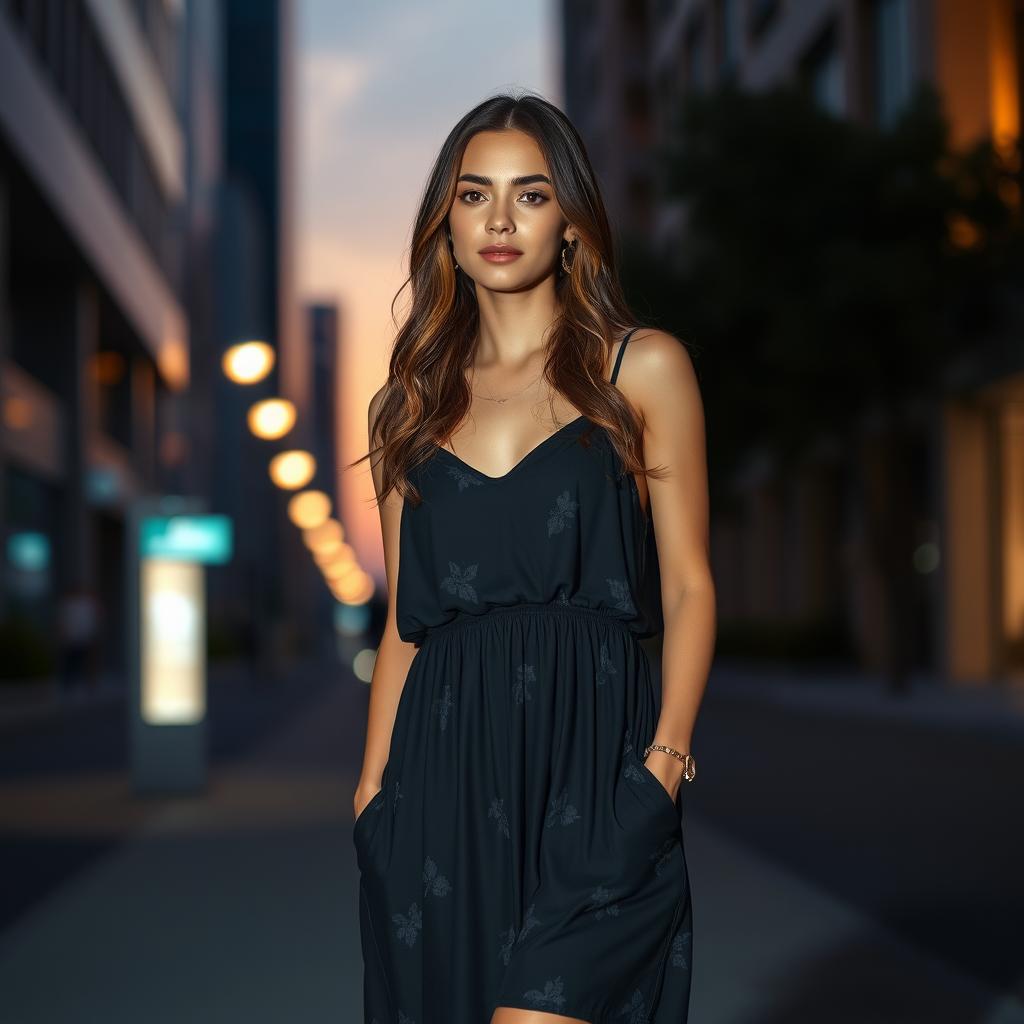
(797, 547)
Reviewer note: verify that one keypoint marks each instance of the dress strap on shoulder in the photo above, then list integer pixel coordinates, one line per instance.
(618, 357)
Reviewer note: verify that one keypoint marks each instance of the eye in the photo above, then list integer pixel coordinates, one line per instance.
(539, 200)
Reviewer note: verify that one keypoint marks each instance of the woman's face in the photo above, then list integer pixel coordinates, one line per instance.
(504, 197)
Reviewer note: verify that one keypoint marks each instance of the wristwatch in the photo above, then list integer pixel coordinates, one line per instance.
(689, 764)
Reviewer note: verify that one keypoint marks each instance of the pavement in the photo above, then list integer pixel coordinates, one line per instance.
(239, 904)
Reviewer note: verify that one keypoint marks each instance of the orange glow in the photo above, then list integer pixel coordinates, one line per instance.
(292, 469)
(272, 418)
(963, 232)
(355, 588)
(321, 537)
(17, 413)
(333, 551)
(172, 362)
(309, 509)
(248, 362)
(1004, 77)
(339, 569)
(108, 367)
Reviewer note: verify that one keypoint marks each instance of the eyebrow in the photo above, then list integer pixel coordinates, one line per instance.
(526, 179)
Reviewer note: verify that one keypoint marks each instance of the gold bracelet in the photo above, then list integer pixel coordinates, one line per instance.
(689, 764)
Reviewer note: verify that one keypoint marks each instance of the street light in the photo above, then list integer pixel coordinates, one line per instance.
(248, 362)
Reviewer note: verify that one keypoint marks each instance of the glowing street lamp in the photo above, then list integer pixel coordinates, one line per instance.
(248, 362)
(292, 469)
(309, 509)
(272, 418)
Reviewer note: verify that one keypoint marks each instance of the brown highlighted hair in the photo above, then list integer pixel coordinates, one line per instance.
(426, 395)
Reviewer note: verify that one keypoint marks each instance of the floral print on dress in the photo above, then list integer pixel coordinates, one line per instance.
(560, 811)
(510, 938)
(678, 951)
(408, 926)
(443, 704)
(563, 512)
(458, 581)
(497, 811)
(607, 666)
(551, 997)
(525, 675)
(663, 854)
(635, 1011)
(434, 883)
(621, 596)
(601, 898)
(631, 769)
(463, 478)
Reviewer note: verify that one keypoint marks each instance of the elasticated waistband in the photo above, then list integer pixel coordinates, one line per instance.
(469, 620)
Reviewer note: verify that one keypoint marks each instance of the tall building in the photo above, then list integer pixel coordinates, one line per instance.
(94, 339)
(145, 226)
(257, 301)
(629, 65)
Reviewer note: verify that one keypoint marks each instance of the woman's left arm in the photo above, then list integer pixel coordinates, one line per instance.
(662, 384)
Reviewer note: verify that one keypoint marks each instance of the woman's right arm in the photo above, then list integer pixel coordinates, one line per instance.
(394, 655)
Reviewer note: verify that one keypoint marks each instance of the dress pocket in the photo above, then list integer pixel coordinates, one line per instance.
(371, 810)
(651, 781)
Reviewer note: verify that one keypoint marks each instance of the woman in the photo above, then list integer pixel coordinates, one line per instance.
(520, 851)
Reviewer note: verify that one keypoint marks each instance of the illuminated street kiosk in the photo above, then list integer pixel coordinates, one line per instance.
(170, 542)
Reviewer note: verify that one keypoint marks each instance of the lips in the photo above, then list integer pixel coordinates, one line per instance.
(508, 250)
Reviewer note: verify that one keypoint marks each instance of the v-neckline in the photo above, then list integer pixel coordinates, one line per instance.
(534, 451)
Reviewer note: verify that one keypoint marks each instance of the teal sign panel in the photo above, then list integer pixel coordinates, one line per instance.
(187, 538)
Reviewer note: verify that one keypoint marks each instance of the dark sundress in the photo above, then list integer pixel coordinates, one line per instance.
(519, 852)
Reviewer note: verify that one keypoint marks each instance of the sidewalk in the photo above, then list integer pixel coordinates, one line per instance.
(929, 701)
(240, 905)
(30, 700)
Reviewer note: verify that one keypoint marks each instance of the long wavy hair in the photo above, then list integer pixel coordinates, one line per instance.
(426, 395)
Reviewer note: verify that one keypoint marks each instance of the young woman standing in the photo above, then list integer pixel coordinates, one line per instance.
(519, 842)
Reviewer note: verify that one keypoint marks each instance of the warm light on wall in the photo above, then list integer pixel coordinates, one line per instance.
(292, 469)
(108, 367)
(272, 418)
(309, 509)
(17, 413)
(248, 362)
(1005, 77)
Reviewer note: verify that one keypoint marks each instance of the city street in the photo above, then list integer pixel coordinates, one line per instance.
(833, 844)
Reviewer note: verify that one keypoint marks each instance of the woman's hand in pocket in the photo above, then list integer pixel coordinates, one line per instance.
(365, 792)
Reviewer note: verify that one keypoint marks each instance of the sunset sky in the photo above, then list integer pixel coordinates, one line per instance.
(380, 85)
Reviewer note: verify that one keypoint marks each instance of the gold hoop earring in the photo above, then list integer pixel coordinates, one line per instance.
(568, 248)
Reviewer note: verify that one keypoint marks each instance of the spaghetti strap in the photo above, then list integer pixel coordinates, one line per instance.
(618, 357)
